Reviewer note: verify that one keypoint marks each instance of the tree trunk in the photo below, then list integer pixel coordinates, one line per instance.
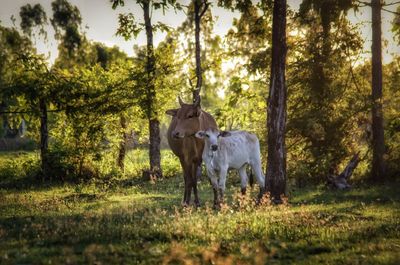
(155, 156)
(378, 142)
(122, 143)
(3, 107)
(44, 138)
(276, 115)
(197, 20)
(154, 124)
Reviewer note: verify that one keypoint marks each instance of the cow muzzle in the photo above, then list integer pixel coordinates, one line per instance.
(176, 135)
(214, 147)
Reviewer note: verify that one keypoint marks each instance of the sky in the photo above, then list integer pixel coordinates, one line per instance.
(100, 23)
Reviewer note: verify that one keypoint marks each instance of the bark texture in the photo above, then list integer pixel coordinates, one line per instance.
(44, 138)
(200, 7)
(276, 113)
(4, 119)
(378, 142)
(122, 143)
(154, 124)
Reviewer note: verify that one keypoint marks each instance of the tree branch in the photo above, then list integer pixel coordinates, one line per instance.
(382, 5)
(190, 83)
(364, 3)
(393, 12)
(28, 111)
(206, 5)
(391, 4)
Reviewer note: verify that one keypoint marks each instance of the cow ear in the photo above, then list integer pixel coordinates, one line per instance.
(224, 134)
(172, 112)
(200, 134)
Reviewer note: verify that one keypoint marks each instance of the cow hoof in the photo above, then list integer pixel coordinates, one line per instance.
(217, 206)
(185, 204)
(197, 204)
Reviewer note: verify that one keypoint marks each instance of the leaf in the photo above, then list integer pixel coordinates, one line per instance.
(162, 27)
(116, 3)
(128, 27)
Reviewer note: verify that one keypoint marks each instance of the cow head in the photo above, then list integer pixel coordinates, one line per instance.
(211, 137)
(187, 117)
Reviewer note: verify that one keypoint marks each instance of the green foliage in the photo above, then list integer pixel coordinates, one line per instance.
(325, 103)
(212, 56)
(328, 10)
(243, 100)
(92, 212)
(137, 161)
(128, 27)
(66, 22)
(17, 166)
(249, 42)
(241, 5)
(166, 80)
(391, 114)
(91, 86)
(157, 4)
(250, 39)
(13, 46)
(128, 23)
(20, 169)
(65, 15)
(32, 17)
(90, 104)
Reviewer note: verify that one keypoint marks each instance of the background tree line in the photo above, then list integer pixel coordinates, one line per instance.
(94, 98)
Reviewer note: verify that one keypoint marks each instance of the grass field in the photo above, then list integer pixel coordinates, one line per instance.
(129, 221)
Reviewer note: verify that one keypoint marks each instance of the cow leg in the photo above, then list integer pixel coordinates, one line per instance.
(222, 181)
(186, 195)
(243, 179)
(217, 203)
(189, 185)
(194, 174)
(214, 183)
(185, 191)
(185, 179)
(196, 196)
(256, 167)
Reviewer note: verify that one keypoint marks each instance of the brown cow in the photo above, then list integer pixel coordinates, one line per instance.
(186, 121)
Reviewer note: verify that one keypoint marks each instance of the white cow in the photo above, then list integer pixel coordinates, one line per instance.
(230, 150)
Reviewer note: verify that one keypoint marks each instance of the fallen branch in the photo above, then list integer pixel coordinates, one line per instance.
(340, 181)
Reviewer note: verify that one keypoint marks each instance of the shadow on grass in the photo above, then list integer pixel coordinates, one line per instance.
(132, 232)
(379, 194)
(36, 183)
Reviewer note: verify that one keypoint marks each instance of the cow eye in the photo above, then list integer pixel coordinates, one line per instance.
(208, 136)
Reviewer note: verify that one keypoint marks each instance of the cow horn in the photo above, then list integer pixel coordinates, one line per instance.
(180, 101)
(197, 101)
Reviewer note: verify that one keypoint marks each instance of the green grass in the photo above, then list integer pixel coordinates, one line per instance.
(128, 221)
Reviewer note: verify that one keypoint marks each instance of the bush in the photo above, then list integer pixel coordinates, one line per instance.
(16, 166)
(65, 166)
